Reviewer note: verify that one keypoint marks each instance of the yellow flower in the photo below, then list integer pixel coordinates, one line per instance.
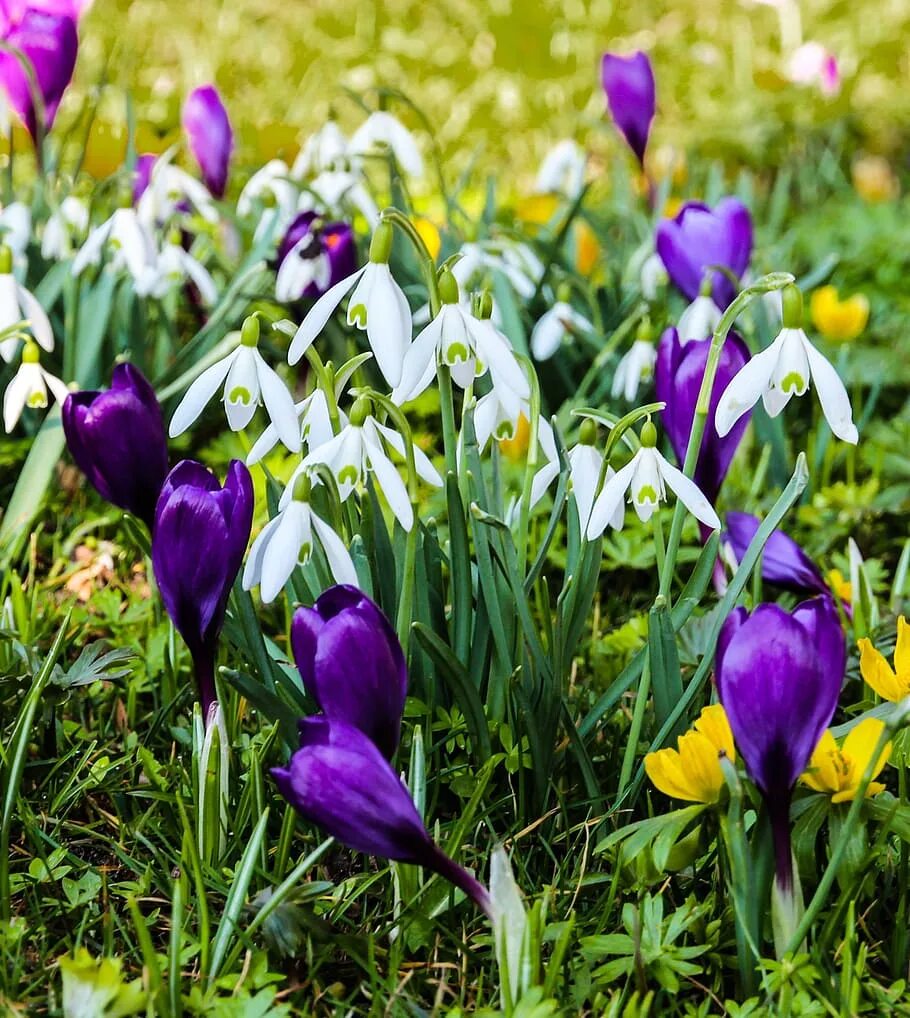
(587, 247)
(874, 180)
(668, 162)
(538, 209)
(841, 586)
(429, 234)
(838, 770)
(840, 320)
(515, 447)
(890, 683)
(692, 771)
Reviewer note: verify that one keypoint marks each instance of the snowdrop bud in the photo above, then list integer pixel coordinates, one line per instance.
(587, 433)
(563, 293)
(249, 331)
(448, 288)
(360, 411)
(30, 353)
(303, 486)
(6, 260)
(644, 333)
(485, 305)
(648, 435)
(381, 244)
(792, 304)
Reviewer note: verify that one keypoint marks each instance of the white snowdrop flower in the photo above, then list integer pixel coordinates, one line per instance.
(497, 415)
(29, 386)
(515, 260)
(172, 267)
(784, 369)
(64, 225)
(377, 305)
(699, 320)
(553, 326)
(646, 477)
(270, 193)
(125, 239)
(288, 541)
(315, 427)
(359, 449)
(635, 367)
(16, 227)
(652, 276)
(326, 149)
(334, 190)
(381, 129)
(170, 188)
(510, 926)
(298, 270)
(247, 380)
(562, 170)
(18, 304)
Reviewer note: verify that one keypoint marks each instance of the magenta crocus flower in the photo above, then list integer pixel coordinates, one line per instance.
(678, 374)
(629, 84)
(117, 439)
(778, 676)
(313, 256)
(698, 237)
(209, 135)
(352, 663)
(49, 42)
(782, 561)
(199, 537)
(340, 781)
(142, 175)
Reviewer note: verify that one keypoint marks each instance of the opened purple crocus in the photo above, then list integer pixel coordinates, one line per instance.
(699, 237)
(209, 135)
(200, 534)
(340, 781)
(313, 256)
(352, 664)
(118, 441)
(49, 41)
(629, 84)
(782, 562)
(678, 375)
(778, 676)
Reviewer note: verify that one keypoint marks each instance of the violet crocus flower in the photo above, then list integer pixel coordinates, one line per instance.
(49, 41)
(352, 663)
(698, 237)
(678, 376)
(783, 562)
(118, 441)
(629, 84)
(142, 175)
(200, 534)
(340, 781)
(313, 256)
(209, 135)
(778, 676)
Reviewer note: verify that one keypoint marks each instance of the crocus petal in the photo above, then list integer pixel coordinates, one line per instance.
(210, 136)
(783, 561)
(629, 85)
(198, 395)
(318, 315)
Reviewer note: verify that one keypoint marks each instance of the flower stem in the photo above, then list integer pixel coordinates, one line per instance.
(638, 717)
(204, 668)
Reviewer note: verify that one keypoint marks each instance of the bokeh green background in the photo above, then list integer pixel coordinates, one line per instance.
(499, 80)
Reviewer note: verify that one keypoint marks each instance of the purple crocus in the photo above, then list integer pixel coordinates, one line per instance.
(200, 534)
(49, 41)
(778, 676)
(678, 375)
(142, 175)
(783, 561)
(313, 256)
(629, 84)
(698, 237)
(118, 441)
(340, 781)
(209, 135)
(352, 664)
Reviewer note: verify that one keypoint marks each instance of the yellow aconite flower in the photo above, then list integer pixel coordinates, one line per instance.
(838, 770)
(538, 209)
(429, 234)
(692, 771)
(840, 320)
(587, 247)
(515, 447)
(874, 180)
(890, 683)
(840, 585)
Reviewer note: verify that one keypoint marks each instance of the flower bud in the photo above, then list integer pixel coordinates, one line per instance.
(587, 433)
(6, 260)
(484, 305)
(792, 304)
(448, 288)
(361, 410)
(30, 353)
(249, 331)
(381, 244)
(648, 435)
(303, 487)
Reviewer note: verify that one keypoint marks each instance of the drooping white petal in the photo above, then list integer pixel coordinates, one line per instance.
(10, 313)
(90, 252)
(241, 390)
(542, 480)
(699, 320)
(425, 469)
(279, 403)
(562, 169)
(646, 488)
(290, 541)
(611, 497)
(201, 276)
(791, 371)
(547, 334)
(832, 395)
(585, 464)
(688, 492)
(252, 571)
(419, 364)
(496, 352)
(389, 480)
(134, 250)
(22, 384)
(345, 458)
(16, 220)
(318, 315)
(39, 325)
(338, 557)
(58, 387)
(388, 324)
(746, 387)
(199, 393)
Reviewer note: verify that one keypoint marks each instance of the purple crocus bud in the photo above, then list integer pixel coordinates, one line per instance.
(118, 441)
(313, 256)
(352, 664)
(142, 174)
(210, 136)
(678, 375)
(49, 41)
(699, 237)
(341, 782)
(629, 84)
(783, 561)
(778, 676)
(200, 534)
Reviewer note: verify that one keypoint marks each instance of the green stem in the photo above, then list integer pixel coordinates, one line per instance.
(530, 466)
(638, 717)
(447, 412)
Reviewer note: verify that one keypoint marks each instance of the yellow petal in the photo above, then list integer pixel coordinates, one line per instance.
(859, 745)
(823, 773)
(665, 772)
(878, 674)
(713, 724)
(516, 446)
(849, 794)
(700, 762)
(538, 209)
(429, 234)
(902, 651)
(587, 248)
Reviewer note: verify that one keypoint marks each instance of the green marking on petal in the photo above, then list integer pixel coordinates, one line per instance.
(358, 316)
(37, 400)
(647, 494)
(239, 394)
(456, 353)
(347, 475)
(505, 431)
(794, 382)
(306, 549)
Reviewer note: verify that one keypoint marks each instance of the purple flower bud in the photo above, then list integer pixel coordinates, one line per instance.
(210, 136)
(629, 84)
(50, 42)
(678, 376)
(698, 237)
(200, 534)
(142, 175)
(341, 782)
(313, 256)
(118, 441)
(783, 561)
(352, 664)
(778, 677)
